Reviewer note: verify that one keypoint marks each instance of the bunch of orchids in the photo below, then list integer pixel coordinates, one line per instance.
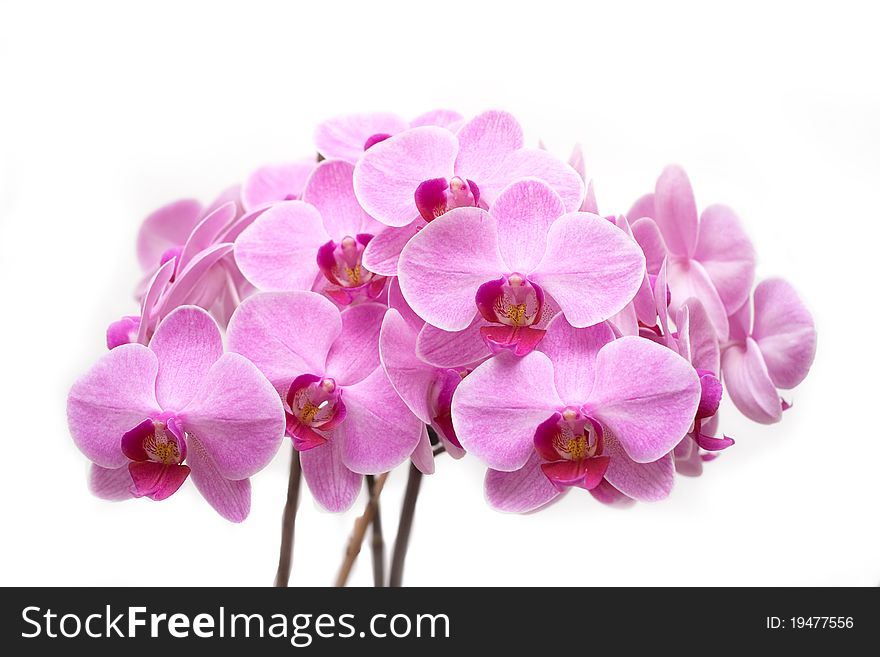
(434, 286)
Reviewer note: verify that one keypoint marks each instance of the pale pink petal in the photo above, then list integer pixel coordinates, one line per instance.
(748, 383)
(443, 266)
(591, 268)
(113, 484)
(386, 178)
(484, 142)
(113, 397)
(237, 416)
(453, 348)
(497, 408)
(333, 486)
(279, 250)
(727, 255)
(330, 189)
(285, 334)
(646, 233)
(411, 377)
(380, 431)
(206, 233)
(573, 352)
(167, 227)
(610, 496)
(522, 490)
(646, 395)
(153, 292)
(396, 301)
(231, 499)
(643, 302)
(676, 211)
(383, 251)
(626, 322)
(576, 161)
(423, 455)
(643, 207)
(646, 482)
(740, 322)
(524, 212)
(274, 183)
(187, 343)
(187, 283)
(345, 136)
(687, 279)
(440, 117)
(535, 163)
(355, 353)
(785, 332)
(703, 347)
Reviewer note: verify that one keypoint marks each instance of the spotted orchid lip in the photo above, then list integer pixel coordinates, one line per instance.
(157, 449)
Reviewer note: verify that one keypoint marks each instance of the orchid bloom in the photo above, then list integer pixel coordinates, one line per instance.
(710, 258)
(316, 243)
(773, 350)
(491, 274)
(410, 179)
(426, 390)
(149, 417)
(346, 137)
(582, 409)
(342, 412)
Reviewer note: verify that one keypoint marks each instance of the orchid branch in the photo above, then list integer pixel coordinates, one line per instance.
(360, 530)
(404, 528)
(378, 543)
(288, 522)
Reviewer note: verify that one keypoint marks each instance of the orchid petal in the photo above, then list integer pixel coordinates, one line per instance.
(277, 252)
(285, 334)
(573, 352)
(331, 191)
(785, 332)
(453, 348)
(187, 343)
(688, 279)
(411, 377)
(648, 236)
(645, 394)
(497, 408)
(382, 253)
(386, 178)
(112, 484)
(726, 253)
(676, 211)
(748, 383)
(355, 353)
(646, 482)
(114, 396)
(524, 212)
(334, 486)
(344, 136)
(591, 268)
(521, 490)
(535, 163)
(483, 144)
(231, 499)
(275, 183)
(165, 228)
(443, 266)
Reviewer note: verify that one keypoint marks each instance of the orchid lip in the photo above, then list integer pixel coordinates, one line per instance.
(437, 196)
(342, 265)
(156, 449)
(316, 407)
(572, 444)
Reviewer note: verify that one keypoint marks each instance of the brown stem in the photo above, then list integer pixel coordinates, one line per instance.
(378, 543)
(288, 522)
(401, 543)
(360, 530)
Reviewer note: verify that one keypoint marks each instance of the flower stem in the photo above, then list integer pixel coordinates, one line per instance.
(401, 543)
(288, 522)
(378, 544)
(360, 530)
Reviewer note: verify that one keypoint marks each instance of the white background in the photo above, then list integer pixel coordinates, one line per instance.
(108, 110)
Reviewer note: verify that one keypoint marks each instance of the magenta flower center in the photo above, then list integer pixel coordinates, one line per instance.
(315, 406)
(572, 443)
(157, 449)
(316, 403)
(437, 196)
(511, 300)
(342, 266)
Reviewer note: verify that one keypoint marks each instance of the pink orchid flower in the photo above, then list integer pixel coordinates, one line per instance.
(149, 417)
(346, 137)
(426, 390)
(710, 258)
(582, 409)
(343, 414)
(775, 350)
(493, 272)
(417, 175)
(316, 243)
